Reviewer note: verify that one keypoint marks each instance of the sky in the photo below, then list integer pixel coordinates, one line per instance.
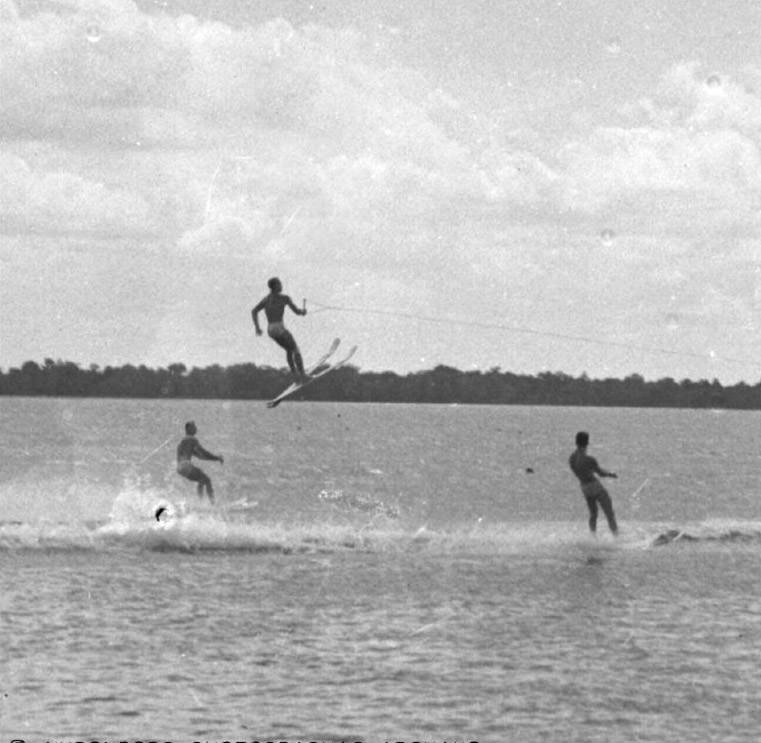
(535, 185)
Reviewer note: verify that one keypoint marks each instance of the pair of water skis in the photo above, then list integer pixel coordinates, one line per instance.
(317, 370)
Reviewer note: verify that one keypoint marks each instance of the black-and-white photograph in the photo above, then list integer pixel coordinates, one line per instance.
(380, 371)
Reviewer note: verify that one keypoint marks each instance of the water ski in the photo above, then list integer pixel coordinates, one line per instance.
(313, 373)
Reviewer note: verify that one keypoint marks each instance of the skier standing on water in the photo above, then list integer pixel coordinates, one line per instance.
(186, 450)
(585, 468)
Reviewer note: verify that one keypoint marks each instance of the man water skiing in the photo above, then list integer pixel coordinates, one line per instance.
(585, 467)
(186, 450)
(274, 305)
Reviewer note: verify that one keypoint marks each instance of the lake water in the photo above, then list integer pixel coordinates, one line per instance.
(377, 573)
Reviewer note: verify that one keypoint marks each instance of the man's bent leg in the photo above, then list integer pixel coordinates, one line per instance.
(292, 364)
(298, 361)
(199, 476)
(206, 484)
(286, 341)
(592, 506)
(607, 509)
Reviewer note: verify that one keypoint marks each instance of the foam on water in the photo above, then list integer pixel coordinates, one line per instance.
(198, 526)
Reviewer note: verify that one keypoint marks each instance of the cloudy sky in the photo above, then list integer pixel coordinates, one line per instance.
(534, 185)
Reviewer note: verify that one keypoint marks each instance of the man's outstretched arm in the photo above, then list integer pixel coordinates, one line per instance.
(289, 303)
(605, 473)
(599, 470)
(201, 453)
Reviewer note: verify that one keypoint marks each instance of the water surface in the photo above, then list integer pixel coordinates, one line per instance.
(377, 573)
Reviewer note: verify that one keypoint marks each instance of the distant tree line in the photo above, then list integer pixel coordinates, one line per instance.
(443, 384)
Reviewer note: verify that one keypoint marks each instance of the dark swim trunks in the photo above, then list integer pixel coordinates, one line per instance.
(281, 335)
(594, 489)
(190, 471)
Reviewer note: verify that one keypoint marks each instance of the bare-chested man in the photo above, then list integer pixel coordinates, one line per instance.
(585, 468)
(274, 305)
(186, 450)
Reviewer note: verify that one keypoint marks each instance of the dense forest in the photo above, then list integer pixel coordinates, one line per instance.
(443, 384)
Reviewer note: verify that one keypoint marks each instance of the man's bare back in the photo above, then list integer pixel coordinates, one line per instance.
(274, 305)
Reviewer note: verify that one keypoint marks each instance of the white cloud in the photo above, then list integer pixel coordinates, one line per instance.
(696, 160)
(227, 235)
(618, 162)
(330, 129)
(693, 97)
(358, 145)
(8, 12)
(64, 203)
